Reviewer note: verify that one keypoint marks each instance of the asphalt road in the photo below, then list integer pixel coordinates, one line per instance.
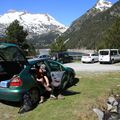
(94, 67)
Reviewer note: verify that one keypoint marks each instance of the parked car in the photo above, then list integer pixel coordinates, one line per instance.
(18, 75)
(89, 58)
(44, 56)
(62, 57)
(109, 55)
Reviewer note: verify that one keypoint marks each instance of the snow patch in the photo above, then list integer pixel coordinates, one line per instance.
(103, 5)
(37, 23)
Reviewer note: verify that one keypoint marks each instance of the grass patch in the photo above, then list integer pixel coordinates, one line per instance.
(91, 91)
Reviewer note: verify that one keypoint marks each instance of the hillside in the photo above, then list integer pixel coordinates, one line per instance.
(86, 31)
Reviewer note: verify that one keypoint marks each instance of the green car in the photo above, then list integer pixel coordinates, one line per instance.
(18, 76)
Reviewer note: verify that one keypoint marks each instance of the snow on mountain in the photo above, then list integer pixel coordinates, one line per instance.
(103, 5)
(34, 23)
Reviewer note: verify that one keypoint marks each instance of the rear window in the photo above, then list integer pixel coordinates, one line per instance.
(94, 54)
(63, 55)
(104, 52)
(86, 55)
(11, 54)
(66, 55)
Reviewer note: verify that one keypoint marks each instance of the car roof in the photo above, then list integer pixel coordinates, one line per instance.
(107, 49)
(90, 53)
(64, 52)
(44, 55)
(35, 60)
(5, 45)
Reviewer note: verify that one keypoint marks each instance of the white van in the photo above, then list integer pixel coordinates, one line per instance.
(109, 55)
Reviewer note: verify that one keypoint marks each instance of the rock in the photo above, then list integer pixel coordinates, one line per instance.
(112, 104)
(99, 113)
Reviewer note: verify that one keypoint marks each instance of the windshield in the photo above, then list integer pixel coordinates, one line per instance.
(104, 52)
(11, 54)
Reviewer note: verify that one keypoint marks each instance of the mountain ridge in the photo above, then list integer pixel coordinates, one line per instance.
(86, 31)
(35, 23)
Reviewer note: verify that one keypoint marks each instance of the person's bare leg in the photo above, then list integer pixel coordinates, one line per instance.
(41, 99)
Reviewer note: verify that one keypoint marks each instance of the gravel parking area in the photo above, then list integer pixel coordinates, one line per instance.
(94, 67)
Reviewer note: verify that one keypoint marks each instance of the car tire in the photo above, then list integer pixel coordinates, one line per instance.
(34, 95)
(92, 61)
(112, 61)
(71, 79)
(69, 82)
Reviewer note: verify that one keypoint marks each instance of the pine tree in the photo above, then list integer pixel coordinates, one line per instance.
(16, 33)
(58, 45)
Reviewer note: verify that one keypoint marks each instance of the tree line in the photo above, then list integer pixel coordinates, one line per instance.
(15, 33)
(111, 37)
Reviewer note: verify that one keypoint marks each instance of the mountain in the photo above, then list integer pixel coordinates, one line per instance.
(103, 5)
(87, 30)
(35, 24)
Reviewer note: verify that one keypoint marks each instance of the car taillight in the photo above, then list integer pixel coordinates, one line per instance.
(16, 82)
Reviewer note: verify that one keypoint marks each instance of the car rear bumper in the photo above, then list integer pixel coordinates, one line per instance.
(11, 94)
(86, 60)
(101, 59)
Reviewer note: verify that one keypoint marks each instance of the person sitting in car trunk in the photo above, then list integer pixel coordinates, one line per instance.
(43, 79)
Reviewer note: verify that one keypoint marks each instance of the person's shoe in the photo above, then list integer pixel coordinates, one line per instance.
(60, 96)
(52, 97)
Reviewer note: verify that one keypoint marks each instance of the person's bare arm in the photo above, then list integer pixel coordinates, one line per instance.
(46, 80)
(40, 80)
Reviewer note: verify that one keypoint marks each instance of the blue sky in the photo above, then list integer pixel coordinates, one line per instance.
(64, 11)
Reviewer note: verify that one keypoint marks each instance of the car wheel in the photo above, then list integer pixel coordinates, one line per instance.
(92, 61)
(112, 61)
(34, 95)
(71, 79)
(69, 82)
